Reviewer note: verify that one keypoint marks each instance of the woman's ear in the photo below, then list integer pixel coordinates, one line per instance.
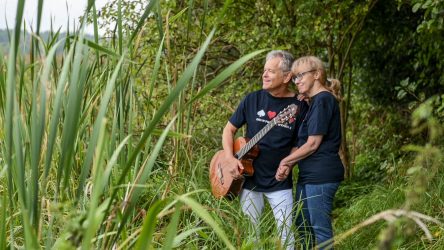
(317, 75)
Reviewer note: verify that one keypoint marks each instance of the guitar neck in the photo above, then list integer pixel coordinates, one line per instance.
(253, 141)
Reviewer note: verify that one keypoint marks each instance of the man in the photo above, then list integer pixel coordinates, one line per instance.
(256, 110)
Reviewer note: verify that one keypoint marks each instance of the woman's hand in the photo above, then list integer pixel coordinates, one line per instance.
(302, 98)
(283, 171)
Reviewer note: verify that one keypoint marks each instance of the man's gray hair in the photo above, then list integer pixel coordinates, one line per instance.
(286, 59)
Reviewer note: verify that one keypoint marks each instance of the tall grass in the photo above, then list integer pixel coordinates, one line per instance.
(93, 158)
(75, 173)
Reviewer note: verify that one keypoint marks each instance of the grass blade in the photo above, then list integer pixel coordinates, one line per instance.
(155, 69)
(188, 73)
(149, 225)
(203, 213)
(178, 240)
(224, 75)
(142, 20)
(3, 205)
(119, 25)
(96, 129)
(56, 113)
(172, 228)
(143, 175)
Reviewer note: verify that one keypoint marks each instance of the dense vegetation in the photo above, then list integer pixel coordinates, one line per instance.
(105, 141)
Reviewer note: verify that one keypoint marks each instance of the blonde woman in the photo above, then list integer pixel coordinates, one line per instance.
(317, 152)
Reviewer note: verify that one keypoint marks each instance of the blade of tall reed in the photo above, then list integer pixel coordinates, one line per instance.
(89, 6)
(182, 82)
(10, 102)
(175, 17)
(95, 215)
(38, 121)
(53, 39)
(52, 133)
(171, 134)
(101, 180)
(180, 238)
(18, 166)
(3, 215)
(142, 20)
(96, 31)
(171, 230)
(202, 24)
(159, 114)
(187, 74)
(18, 26)
(189, 19)
(142, 177)
(96, 128)
(2, 83)
(8, 121)
(155, 69)
(72, 114)
(96, 46)
(39, 15)
(224, 75)
(204, 215)
(21, 78)
(37, 125)
(149, 225)
(159, 19)
(19, 180)
(119, 25)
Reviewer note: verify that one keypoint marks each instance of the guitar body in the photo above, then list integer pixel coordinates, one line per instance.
(222, 182)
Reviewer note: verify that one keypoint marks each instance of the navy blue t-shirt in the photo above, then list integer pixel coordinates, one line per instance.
(323, 118)
(256, 110)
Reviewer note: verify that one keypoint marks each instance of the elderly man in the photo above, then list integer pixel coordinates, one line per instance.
(256, 110)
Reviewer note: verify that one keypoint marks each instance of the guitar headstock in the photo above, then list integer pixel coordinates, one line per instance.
(286, 114)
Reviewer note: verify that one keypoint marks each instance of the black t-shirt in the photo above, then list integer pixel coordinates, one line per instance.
(323, 118)
(257, 109)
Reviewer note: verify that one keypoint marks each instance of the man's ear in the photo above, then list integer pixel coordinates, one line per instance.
(287, 77)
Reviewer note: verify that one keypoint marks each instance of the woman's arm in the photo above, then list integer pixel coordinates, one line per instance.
(300, 153)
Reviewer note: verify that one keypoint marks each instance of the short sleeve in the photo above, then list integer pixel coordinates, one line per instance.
(321, 114)
(239, 116)
(303, 108)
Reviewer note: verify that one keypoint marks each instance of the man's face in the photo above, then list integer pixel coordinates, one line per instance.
(273, 77)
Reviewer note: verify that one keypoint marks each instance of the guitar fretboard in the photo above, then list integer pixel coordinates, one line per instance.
(250, 144)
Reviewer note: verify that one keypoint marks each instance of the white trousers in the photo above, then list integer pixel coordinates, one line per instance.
(281, 202)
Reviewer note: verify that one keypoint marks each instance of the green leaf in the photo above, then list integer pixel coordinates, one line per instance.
(203, 213)
(416, 7)
(149, 226)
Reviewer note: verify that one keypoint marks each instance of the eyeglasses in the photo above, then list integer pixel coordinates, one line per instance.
(300, 75)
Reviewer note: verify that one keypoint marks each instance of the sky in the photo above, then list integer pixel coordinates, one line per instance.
(52, 9)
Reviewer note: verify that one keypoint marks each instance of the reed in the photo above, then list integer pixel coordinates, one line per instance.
(80, 159)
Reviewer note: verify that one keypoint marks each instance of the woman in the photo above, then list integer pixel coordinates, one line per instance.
(317, 154)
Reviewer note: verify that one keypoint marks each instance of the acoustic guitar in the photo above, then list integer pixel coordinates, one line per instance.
(222, 182)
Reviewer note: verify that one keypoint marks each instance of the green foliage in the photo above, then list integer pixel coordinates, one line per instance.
(363, 206)
(376, 136)
(108, 143)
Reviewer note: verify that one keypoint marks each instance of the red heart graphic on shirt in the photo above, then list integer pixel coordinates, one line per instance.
(271, 114)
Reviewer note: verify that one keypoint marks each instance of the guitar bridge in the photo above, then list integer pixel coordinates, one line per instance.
(220, 174)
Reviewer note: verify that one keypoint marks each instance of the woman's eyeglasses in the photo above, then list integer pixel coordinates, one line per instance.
(300, 75)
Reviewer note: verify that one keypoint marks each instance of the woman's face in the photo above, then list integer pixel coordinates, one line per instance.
(303, 77)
